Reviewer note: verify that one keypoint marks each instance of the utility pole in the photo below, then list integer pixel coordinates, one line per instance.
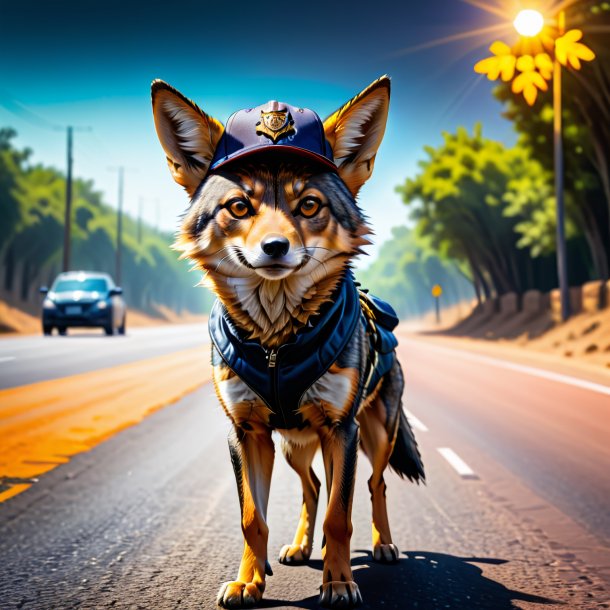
(140, 220)
(119, 225)
(141, 202)
(68, 212)
(68, 216)
(119, 228)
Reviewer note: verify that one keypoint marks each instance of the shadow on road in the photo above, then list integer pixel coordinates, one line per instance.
(425, 581)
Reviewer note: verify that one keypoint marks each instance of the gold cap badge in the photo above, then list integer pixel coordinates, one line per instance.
(275, 124)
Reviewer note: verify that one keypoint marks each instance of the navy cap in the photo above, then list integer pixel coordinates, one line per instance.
(276, 127)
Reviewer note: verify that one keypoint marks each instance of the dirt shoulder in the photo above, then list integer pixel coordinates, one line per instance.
(580, 346)
(15, 321)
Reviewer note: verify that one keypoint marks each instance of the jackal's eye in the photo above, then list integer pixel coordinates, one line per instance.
(239, 208)
(309, 207)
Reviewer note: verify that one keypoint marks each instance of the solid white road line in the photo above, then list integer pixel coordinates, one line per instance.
(528, 370)
(415, 422)
(6, 358)
(457, 463)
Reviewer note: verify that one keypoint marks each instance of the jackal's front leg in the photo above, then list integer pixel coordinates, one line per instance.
(252, 457)
(340, 450)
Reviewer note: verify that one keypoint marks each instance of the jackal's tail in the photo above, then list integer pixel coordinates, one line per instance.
(405, 459)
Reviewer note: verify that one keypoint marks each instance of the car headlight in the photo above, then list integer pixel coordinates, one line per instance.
(102, 304)
(48, 304)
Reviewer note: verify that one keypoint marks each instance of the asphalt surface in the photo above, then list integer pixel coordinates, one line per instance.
(150, 519)
(29, 359)
(555, 437)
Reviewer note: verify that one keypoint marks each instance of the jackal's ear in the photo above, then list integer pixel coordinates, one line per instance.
(355, 132)
(188, 135)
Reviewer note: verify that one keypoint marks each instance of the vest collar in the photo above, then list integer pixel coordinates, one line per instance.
(280, 377)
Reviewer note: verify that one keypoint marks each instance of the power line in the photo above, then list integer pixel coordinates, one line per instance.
(15, 107)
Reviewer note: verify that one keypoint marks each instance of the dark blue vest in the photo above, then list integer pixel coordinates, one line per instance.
(280, 377)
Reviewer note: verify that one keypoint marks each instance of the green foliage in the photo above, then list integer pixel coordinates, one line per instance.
(530, 199)
(489, 208)
(32, 207)
(405, 271)
(11, 164)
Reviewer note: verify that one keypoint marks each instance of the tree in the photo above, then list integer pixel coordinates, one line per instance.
(405, 271)
(472, 200)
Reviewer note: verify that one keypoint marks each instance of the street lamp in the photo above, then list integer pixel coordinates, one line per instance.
(536, 59)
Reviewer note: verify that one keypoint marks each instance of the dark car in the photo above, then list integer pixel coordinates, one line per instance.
(86, 299)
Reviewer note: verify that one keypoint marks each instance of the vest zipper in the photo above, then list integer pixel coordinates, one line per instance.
(273, 372)
(272, 366)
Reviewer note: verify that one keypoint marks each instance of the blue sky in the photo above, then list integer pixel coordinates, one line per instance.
(91, 63)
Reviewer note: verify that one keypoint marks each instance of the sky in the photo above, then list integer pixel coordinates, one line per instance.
(90, 64)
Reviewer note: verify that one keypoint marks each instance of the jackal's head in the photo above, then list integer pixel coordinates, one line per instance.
(273, 219)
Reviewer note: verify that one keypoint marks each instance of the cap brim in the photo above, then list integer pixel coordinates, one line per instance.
(276, 149)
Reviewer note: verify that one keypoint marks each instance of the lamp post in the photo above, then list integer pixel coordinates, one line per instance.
(537, 58)
(562, 253)
(529, 23)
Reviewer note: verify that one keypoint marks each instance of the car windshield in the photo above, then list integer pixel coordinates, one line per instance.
(86, 285)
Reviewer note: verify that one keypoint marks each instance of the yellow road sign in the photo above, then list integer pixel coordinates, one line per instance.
(437, 291)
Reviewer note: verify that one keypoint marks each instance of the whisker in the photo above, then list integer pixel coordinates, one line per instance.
(224, 258)
(219, 250)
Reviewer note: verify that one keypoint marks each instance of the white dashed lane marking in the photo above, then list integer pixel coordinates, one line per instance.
(416, 422)
(457, 463)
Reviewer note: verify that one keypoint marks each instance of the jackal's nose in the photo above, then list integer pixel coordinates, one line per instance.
(275, 246)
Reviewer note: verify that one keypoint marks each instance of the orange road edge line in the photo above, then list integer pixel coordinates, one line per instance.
(44, 424)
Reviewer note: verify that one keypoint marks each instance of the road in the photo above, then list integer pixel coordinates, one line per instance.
(36, 358)
(149, 519)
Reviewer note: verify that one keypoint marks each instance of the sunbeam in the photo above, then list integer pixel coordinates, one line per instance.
(460, 97)
(453, 38)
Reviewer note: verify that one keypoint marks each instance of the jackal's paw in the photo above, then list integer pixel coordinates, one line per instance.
(237, 594)
(338, 594)
(386, 553)
(294, 554)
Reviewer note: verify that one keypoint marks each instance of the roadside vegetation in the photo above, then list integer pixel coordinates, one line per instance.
(32, 204)
(405, 271)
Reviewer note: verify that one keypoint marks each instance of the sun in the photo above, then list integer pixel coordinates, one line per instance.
(529, 22)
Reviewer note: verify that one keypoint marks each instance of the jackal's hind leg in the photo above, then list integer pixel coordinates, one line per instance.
(300, 458)
(377, 443)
